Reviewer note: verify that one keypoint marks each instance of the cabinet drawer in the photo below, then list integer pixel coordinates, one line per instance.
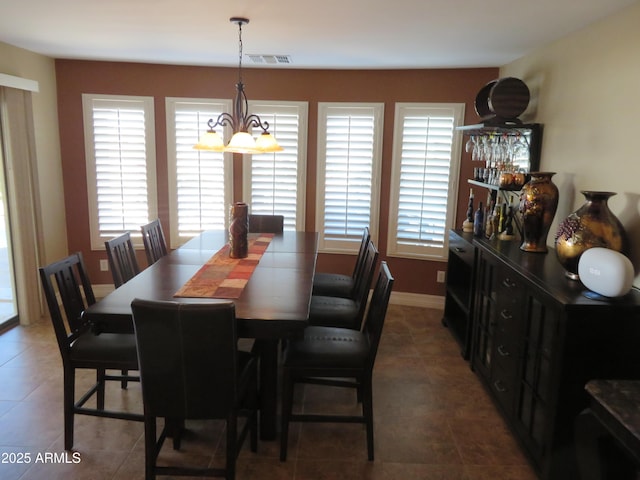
(510, 288)
(503, 387)
(507, 317)
(510, 294)
(505, 354)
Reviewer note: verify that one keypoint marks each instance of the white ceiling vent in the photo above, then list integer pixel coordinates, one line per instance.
(269, 59)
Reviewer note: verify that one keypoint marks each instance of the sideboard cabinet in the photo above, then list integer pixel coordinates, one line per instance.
(537, 340)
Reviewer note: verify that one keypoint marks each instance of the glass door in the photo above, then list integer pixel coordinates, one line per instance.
(8, 304)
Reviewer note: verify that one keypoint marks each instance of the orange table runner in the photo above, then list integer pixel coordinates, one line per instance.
(223, 276)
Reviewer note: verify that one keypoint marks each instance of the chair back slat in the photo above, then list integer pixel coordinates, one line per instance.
(154, 242)
(366, 238)
(67, 278)
(122, 259)
(363, 281)
(378, 310)
(187, 355)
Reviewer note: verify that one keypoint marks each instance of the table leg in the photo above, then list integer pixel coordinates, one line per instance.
(268, 350)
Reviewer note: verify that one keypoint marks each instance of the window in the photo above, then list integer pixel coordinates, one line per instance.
(120, 156)
(349, 157)
(274, 183)
(425, 165)
(200, 182)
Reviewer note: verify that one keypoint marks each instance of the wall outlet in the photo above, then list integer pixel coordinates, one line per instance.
(440, 276)
(104, 265)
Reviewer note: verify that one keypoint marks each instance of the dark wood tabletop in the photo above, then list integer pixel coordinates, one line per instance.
(274, 303)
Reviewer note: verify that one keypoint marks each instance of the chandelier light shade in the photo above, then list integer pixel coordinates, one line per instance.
(240, 121)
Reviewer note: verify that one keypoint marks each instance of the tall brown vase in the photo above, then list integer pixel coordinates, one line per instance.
(538, 205)
(592, 225)
(238, 230)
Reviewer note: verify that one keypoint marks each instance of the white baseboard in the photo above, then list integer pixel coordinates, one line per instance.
(417, 300)
(397, 298)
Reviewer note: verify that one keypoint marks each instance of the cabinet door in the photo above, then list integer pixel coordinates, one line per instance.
(534, 405)
(484, 318)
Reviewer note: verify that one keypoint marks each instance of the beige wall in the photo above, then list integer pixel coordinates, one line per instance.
(586, 89)
(22, 63)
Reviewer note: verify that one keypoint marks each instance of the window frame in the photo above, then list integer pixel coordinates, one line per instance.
(422, 251)
(89, 101)
(349, 244)
(262, 108)
(171, 103)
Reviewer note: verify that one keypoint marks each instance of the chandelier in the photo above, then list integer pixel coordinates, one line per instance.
(240, 122)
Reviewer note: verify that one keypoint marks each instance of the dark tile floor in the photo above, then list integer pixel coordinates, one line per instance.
(433, 420)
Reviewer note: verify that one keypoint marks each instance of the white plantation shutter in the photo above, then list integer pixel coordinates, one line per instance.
(274, 183)
(199, 181)
(424, 180)
(349, 156)
(120, 157)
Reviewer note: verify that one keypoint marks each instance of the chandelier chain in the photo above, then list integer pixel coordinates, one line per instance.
(240, 52)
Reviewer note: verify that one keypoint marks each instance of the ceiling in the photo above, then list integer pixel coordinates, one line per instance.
(341, 34)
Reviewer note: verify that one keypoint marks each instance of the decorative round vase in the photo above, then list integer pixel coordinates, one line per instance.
(592, 225)
(238, 230)
(538, 204)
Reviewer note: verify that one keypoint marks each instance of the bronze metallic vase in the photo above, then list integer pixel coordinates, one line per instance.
(592, 225)
(238, 230)
(538, 205)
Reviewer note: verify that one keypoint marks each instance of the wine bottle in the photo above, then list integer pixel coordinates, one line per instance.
(467, 225)
(478, 221)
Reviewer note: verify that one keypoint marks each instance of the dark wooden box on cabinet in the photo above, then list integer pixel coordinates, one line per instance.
(458, 305)
(537, 340)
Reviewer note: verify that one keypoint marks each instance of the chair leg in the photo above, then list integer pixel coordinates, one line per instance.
(100, 393)
(175, 429)
(232, 445)
(367, 411)
(287, 404)
(68, 394)
(124, 382)
(253, 426)
(150, 447)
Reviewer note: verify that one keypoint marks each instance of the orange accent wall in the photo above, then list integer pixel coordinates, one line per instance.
(76, 77)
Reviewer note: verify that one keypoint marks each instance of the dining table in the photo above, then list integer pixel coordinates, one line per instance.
(273, 304)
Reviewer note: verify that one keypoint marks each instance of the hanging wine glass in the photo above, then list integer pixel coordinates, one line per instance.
(521, 150)
(469, 146)
(476, 155)
(488, 150)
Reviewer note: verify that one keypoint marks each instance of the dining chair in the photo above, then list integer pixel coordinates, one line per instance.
(122, 259)
(346, 312)
(155, 245)
(82, 348)
(190, 369)
(336, 357)
(266, 223)
(341, 285)
(123, 265)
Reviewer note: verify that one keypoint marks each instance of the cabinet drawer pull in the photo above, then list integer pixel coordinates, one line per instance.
(459, 250)
(499, 386)
(506, 314)
(508, 283)
(502, 351)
